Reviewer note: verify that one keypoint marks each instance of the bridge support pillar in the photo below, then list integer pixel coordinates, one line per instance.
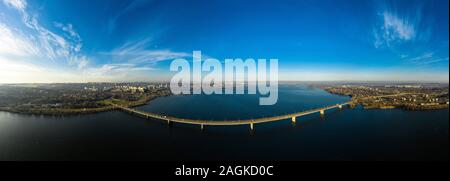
(293, 120)
(251, 126)
(201, 127)
(322, 112)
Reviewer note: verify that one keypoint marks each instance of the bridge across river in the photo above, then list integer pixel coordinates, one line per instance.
(250, 122)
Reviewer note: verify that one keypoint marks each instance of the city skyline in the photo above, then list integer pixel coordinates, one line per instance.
(104, 41)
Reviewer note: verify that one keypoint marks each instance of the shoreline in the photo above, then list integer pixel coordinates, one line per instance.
(409, 108)
(79, 111)
(146, 100)
(392, 106)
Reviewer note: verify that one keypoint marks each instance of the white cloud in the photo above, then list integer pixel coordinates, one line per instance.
(108, 69)
(40, 43)
(118, 72)
(31, 45)
(393, 29)
(17, 4)
(72, 35)
(79, 61)
(397, 32)
(426, 58)
(435, 60)
(32, 52)
(15, 45)
(136, 52)
(69, 29)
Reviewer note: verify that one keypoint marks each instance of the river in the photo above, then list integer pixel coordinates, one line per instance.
(348, 134)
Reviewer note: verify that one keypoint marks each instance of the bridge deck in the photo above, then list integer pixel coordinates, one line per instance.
(242, 122)
(228, 122)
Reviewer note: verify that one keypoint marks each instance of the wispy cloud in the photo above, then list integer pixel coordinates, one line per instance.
(17, 4)
(69, 29)
(114, 69)
(403, 55)
(407, 35)
(37, 44)
(425, 59)
(79, 61)
(397, 28)
(40, 42)
(137, 53)
(14, 44)
(393, 29)
(118, 72)
(72, 35)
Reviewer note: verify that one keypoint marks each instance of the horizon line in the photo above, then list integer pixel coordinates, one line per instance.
(282, 81)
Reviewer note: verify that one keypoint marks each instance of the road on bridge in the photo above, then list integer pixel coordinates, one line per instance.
(250, 122)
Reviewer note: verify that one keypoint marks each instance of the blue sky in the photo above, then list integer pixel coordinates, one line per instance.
(135, 40)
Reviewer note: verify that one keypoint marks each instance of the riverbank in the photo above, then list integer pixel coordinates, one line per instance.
(409, 107)
(78, 111)
(378, 98)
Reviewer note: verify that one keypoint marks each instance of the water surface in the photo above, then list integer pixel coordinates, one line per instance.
(349, 134)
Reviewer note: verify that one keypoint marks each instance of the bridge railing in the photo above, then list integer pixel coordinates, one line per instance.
(229, 122)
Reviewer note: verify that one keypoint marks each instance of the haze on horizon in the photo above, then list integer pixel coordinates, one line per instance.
(135, 40)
